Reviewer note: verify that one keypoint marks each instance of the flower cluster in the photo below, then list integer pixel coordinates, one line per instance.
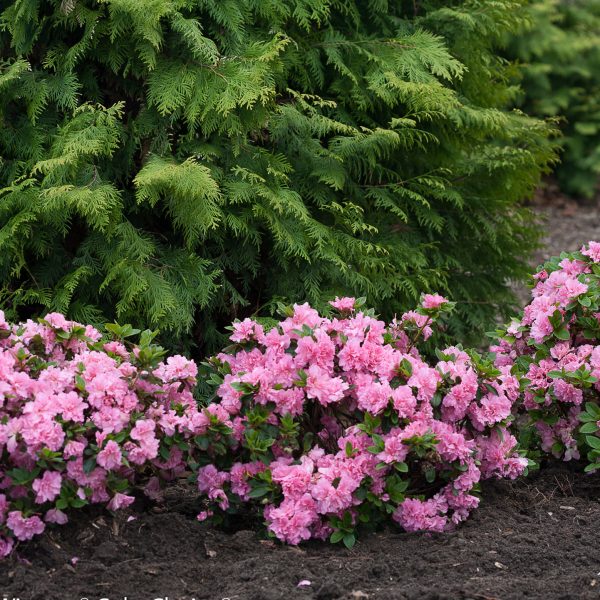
(321, 426)
(553, 349)
(81, 418)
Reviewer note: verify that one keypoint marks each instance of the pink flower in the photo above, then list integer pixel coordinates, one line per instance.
(294, 479)
(246, 330)
(426, 380)
(593, 251)
(72, 406)
(566, 392)
(419, 515)
(56, 516)
(336, 495)
(24, 528)
(497, 456)
(343, 304)
(432, 301)
(177, 368)
(6, 546)
(110, 456)
(143, 432)
(209, 478)
(373, 396)
(292, 519)
(324, 388)
(421, 322)
(73, 449)
(47, 487)
(119, 501)
(493, 408)
(57, 320)
(404, 401)
(318, 350)
(394, 451)
(4, 505)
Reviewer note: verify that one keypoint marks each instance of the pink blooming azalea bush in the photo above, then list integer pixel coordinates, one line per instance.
(554, 350)
(322, 426)
(83, 419)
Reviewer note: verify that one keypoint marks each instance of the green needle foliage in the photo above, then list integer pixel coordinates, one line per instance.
(179, 163)
(560, 52)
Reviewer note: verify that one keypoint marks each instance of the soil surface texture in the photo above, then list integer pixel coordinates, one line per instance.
(533, 538)
(567, 223)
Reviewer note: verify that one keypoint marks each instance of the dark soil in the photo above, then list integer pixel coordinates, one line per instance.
(534, 538)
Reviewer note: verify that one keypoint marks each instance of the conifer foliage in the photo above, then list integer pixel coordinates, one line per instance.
(179, 163)
(560, 54)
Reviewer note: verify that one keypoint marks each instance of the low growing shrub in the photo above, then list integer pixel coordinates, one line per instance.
(83, 420)
(553, 349)
(325, 426)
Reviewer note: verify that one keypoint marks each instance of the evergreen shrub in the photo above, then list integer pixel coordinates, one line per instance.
(180, 163)
(560, 54)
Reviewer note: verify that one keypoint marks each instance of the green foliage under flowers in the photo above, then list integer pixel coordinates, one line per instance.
(179, 163)
(560, 52)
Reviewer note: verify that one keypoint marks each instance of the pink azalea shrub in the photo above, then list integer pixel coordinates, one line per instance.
(554, 350)
(82, 420)
(321, 426)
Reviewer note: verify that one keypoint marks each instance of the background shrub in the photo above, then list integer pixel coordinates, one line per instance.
(560, 52)
(178, 163)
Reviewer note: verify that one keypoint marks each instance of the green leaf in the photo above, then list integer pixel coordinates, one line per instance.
(62, 503)
(593, 409)
(336, 536)
(593, 441)
(430, 475)
(77, 502)
(562, 334)
(259, 492)
(588, 428)
(89, 465)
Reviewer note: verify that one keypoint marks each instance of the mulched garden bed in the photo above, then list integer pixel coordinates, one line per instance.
(534, 538)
